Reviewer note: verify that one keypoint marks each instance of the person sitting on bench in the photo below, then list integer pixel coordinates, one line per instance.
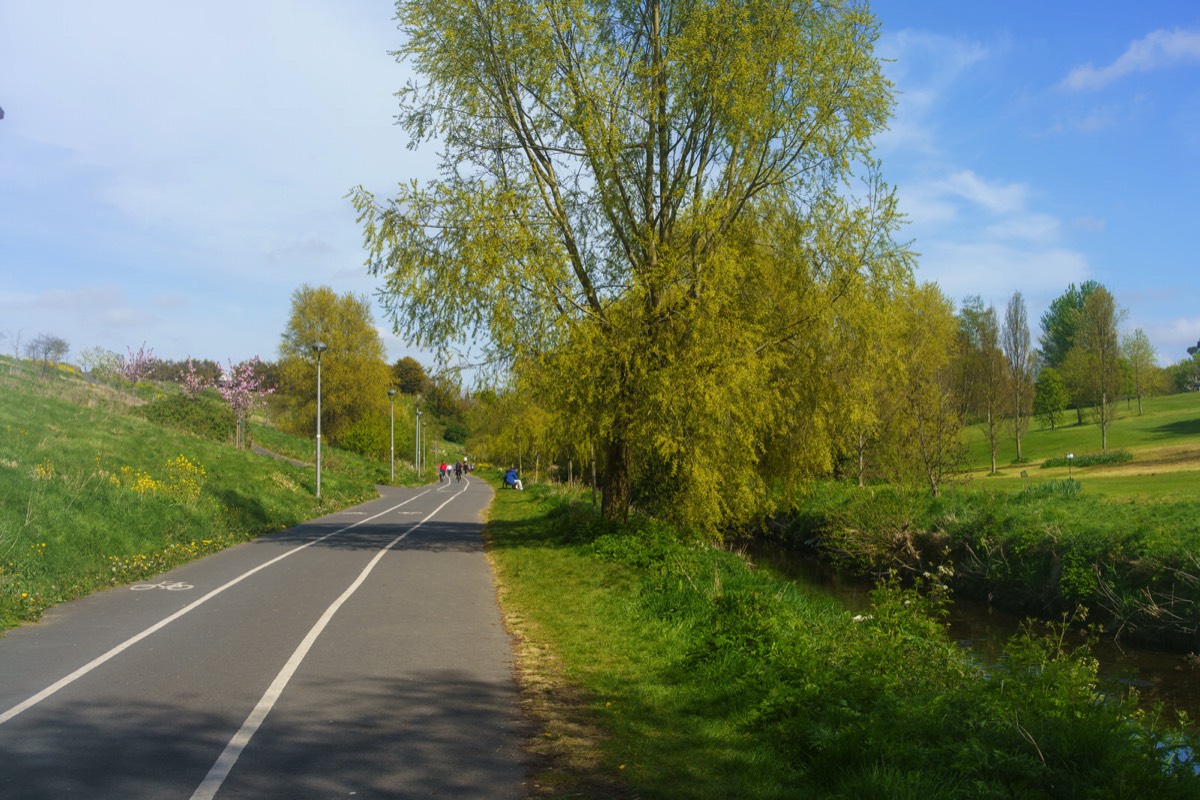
(512, 478)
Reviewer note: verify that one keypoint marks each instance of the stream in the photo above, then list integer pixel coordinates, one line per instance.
(1172, 679)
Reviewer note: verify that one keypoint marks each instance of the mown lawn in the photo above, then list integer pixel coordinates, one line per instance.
(1164, 442)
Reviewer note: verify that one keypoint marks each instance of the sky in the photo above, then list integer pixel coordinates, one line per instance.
(171, 172)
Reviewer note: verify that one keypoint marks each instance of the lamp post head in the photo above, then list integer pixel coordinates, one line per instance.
(392, 393)
(319, 347)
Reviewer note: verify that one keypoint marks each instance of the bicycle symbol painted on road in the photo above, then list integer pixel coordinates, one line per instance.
(170, 586)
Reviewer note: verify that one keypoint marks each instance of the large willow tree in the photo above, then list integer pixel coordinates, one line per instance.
(647, 208)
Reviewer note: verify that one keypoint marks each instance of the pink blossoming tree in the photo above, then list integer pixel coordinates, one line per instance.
(192, 384)
(243, 390)
(136, 366)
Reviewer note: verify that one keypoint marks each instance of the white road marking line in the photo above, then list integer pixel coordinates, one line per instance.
(216, 776)
(96, 662)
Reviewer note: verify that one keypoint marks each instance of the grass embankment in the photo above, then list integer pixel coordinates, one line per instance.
(664, 668)
(1116, 535)
(93, 494)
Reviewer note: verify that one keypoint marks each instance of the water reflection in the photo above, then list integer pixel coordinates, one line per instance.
(1168, 678)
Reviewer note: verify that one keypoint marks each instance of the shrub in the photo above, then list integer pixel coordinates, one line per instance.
(368, 436)
(456, 432)
(202, 416)
(647, 545)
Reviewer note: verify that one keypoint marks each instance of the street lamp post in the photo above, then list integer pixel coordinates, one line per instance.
(319, 348)
(392, 397)
(417, 445)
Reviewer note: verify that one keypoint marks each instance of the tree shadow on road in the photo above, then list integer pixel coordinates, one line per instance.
(421, 735)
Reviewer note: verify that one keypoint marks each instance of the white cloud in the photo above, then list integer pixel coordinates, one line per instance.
(82, 300)
(1028, 227)
(994, 270)
(939, 201)
(1096, 119)
(997, 198)
(926, 205)
(221, 123)
(1091, 224)
(923, 66)
(1157, 50)
(1177, 334)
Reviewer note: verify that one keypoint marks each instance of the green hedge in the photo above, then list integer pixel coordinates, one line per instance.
(1090, 459)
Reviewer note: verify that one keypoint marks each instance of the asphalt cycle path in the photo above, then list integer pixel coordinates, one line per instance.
(359, 655)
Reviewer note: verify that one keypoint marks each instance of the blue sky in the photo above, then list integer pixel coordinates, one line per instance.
(170, 172)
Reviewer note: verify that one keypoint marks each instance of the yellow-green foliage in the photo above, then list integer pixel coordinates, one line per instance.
(354, 375)
(643, 213)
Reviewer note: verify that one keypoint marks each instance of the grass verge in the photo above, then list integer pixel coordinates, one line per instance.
(660, 667)
(92, 493)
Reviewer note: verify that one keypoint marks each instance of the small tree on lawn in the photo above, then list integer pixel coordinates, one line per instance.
(243, 390)
(1050, 397)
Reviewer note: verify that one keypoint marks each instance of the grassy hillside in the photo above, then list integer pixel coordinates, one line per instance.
(1164, 442)
(93, 494)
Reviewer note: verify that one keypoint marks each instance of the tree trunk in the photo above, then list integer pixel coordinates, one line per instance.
(616, 489)
(992, 438)
(862, 458)
(1104, 422)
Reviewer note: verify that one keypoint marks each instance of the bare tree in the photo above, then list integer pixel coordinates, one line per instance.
(1015, 341)
(15, 337)
(47, 348)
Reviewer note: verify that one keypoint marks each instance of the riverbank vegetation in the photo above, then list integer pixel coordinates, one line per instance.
(1117, 533)
(1043, 550)
(661, 666)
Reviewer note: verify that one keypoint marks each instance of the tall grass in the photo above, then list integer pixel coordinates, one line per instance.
(708, 679)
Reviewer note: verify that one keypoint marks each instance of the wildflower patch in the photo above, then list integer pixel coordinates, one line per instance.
(183, 480)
